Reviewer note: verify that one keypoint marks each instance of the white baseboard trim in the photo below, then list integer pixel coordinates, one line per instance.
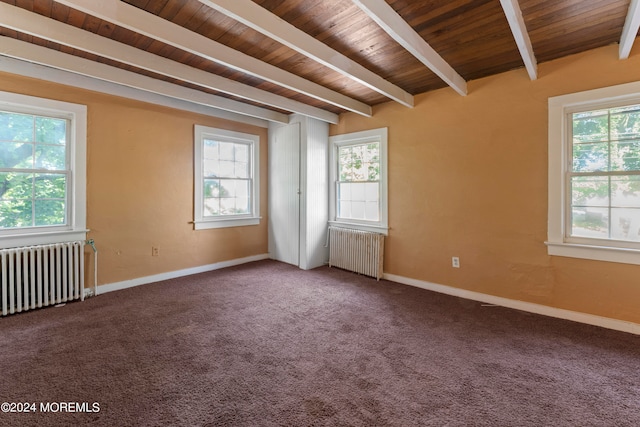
(178, 273)
(589, 319)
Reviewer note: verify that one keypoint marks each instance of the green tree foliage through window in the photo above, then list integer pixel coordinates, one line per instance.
(605, 174)
(359, 182)
(34, 171)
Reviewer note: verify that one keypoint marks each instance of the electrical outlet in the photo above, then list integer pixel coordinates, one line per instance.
(455, 262)
(155, 251)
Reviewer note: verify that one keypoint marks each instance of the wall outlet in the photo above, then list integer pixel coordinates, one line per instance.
(155, 251)
(455, 262)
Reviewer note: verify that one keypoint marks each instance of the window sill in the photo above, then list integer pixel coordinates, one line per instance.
(598, 253)
(226, 222)
(41, 238)
(359, 226)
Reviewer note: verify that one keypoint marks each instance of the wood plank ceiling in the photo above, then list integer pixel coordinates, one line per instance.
(318, 58)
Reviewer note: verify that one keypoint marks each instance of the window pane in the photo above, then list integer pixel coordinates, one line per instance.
(227, 206)
(372, 191)
(625, 155)
(359, 163)
(15, 213)
(241, 153)
(591, 126)
(210, 150)
(210, 167)
(625, 224)
(16, 127)
(589, 191)
(50, 212)
(241, 170)
(211, 207)
(359, 200)
(591, 157)
(625, 191)
(50, 186)
(372, 211)
(344, 163)
(225, 169)
(227, 197)
(242, 205)
(590, 222)
(16, 155)
(625, 123)
(226, 159)
(242, 188)
(226, 150)
(358, 191)
(51, 157)
(344, 209)
(357, 210)
(16, 185)
(51, 130)
(373, 171)
(211, 188)
(227, 188)
(344, 191)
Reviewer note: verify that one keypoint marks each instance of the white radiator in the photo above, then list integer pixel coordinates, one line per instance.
(38, 276)
(355, 250)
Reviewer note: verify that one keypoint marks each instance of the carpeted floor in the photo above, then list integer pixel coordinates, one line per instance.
(266, 344)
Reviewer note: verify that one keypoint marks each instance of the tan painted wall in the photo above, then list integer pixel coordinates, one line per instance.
(468, 178)
(140, 185)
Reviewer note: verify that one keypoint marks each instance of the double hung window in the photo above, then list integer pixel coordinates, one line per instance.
(42, 170)
(359, 175)
(226, 181)
(594, 174)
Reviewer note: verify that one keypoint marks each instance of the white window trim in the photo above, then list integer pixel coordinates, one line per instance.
(76, 228)
(380, 136)
(559, 139)
(253, 218)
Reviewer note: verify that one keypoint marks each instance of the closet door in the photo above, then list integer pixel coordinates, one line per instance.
(284, 193)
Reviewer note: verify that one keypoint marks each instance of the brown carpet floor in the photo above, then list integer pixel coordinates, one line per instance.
(266, 344)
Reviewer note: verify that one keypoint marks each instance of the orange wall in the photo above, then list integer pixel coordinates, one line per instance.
(468, 178)
(140, 185)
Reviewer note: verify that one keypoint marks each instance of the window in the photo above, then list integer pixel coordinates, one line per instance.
(226, 178)
(594, 174)
(359, 174)
(42, 171)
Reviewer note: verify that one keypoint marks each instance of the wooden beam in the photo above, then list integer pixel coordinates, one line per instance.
(394, 25)
(41, 72)
(263, 21)
(630, 29)
(518, 28)
(135, 19)
(130, 85)
(21, 20)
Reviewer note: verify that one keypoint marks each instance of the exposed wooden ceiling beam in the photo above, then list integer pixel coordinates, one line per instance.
(35, 54)
(265, 22)
(389, 20)
(630, 30)
(150, 25)
(518, 28)
(27, 22)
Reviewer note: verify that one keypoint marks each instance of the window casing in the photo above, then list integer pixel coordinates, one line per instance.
(594, 174)
(358, 168)
(42, 171)
(226, 178)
